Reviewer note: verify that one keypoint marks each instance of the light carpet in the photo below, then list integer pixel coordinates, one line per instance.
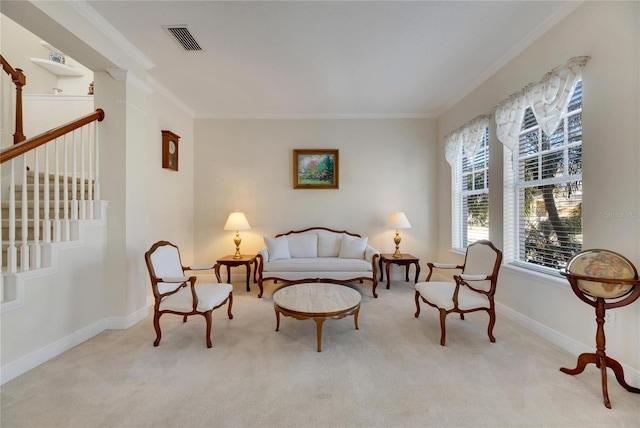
(390, 373)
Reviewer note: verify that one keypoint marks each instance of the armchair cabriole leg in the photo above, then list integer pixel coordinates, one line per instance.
(492, 322)
(156, 325)
(417, 304)
(207, 316)
(229, 307)
(443, 317)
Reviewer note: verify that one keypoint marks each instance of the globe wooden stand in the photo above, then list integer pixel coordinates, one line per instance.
(600, 358)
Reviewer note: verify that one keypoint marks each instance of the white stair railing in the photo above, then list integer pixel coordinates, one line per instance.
(28, 206)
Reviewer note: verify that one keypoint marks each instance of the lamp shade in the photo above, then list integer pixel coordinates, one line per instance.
(398, 220)
(237, 221)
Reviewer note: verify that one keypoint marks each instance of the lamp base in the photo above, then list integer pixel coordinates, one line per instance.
(237, 241)
(396, 240)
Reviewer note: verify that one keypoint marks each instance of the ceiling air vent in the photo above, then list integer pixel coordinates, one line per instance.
(184, 38)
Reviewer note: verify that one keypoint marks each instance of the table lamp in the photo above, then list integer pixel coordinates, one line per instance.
(397, 221)
(237, 221)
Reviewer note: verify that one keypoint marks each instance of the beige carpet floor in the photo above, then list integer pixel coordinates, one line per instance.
(390, 373)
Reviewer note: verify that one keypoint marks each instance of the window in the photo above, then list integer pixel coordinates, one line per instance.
(547, 198)
(471, 221)
(467, 151)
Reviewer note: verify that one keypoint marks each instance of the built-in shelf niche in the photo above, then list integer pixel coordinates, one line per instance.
(57, 68)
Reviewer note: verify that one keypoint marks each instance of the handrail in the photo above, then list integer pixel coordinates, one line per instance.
(30, 144)
(19, 79)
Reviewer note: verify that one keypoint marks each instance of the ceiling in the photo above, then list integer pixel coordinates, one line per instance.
(326, 59)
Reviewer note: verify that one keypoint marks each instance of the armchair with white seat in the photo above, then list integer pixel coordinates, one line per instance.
(176, 293)
(473, 290)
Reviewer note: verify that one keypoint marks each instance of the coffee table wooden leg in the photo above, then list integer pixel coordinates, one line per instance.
(277, 320)
(319, 322)
(355, 318)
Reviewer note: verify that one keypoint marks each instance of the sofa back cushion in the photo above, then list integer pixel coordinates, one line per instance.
(278, 248)
(353, 247)
(303, 245)
(329, 244)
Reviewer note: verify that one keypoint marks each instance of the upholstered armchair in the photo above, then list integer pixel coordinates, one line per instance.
(176, 293)
(473, 290)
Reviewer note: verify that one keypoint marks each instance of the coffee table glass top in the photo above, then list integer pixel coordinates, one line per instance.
(316, 297)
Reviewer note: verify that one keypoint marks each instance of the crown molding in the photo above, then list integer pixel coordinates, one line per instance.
(517, 49)
(136, 81)
(315, 116)
(83, 8)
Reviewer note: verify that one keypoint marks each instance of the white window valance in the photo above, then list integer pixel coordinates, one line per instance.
(509, 115)
(468, 136)
(452, 143)
(548, 100)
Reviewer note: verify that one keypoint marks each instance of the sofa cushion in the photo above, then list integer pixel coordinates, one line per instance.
(303, 245)
(278, 248)
(318, 264)
(329, 244)
(353, 247)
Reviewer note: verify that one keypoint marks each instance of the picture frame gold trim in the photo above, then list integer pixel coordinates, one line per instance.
(316, 168)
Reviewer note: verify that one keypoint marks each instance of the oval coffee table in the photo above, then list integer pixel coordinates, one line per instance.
(317, 301)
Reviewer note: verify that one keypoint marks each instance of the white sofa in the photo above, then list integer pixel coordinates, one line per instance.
(318, 254)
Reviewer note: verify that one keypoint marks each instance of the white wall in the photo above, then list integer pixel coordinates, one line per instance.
(62, 306)
(44, 112)
(170, 194)
(146, 203)
(610, 33)
(39, 80)
(247, 165)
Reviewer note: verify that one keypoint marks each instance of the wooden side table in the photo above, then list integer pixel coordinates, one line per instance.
(405, 260)
(245, 260)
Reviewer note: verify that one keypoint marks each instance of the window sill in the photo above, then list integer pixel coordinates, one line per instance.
(546, 278)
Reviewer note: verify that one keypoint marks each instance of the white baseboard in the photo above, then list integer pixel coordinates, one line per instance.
(44, 354)
(123, 323)
(34, 359)
(632, 376)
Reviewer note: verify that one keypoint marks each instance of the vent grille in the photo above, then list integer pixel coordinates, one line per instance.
(184, 38)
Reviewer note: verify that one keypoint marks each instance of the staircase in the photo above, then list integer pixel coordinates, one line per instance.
(53, 225)
(50, 184)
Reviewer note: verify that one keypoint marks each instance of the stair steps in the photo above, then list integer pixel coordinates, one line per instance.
(74, 208)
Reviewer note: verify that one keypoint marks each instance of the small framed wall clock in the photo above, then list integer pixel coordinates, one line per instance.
(170, 150)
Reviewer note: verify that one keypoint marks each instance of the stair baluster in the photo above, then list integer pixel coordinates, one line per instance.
(35, 248)
(24, 214)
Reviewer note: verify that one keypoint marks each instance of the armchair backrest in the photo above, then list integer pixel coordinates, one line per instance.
(483, 258)
(163, 261)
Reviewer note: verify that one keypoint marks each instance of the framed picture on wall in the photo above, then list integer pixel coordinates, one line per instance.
(315, 169)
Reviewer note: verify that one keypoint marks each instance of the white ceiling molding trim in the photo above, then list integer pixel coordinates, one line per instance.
(558, 16)
(83, 8)
(132, 78)
(117, 73)
(172, 98)
(140, 83)
(285, 116)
